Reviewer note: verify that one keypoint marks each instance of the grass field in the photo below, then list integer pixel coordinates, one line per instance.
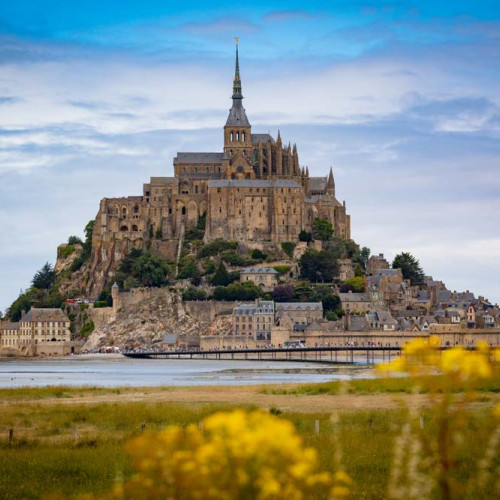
(47, 457)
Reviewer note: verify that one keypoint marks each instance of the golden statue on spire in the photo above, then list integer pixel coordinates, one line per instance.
(237, 39)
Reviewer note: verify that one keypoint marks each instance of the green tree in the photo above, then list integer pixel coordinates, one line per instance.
(74, 240)
(151, 270)
(44, 278)
(337, 246)
(322, 230)
(318, 266)
(410, 267)
(305, 236)
(221, 276)
(356, 284)
(364, 256)
(193, 293)
(283, 293)
(288, 247)
(22, 303)
(358, 271)
(87, 245)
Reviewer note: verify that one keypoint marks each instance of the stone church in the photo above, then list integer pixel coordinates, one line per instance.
(254, 190)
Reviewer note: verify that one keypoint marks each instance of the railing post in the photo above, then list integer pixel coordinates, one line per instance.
(316, 426)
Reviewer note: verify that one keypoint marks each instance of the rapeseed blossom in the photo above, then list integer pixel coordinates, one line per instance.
(237, 455)
(422, 357)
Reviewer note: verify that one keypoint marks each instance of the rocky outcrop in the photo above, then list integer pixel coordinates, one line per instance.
(144, 316)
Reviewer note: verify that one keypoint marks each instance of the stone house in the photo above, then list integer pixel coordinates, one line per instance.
(253, 321)
(9, 335)
(376, 262)
(378, 319)
(355, 302)
(471, 317)
(43, 326)
(300, 313)
(264, 277)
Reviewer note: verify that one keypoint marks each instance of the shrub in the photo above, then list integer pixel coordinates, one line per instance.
(237, 455)
(318, 266)
(193, 293)
(216, 247)
(65, 252)
(237, 291)
(74, 240)
(288, 247)
(356, 284)
(221, 276)
(282, 269)
(257, 254)
(159, 234)
(87, 329)
(305, 236)
(322, 229)
(100, 303)
(235, 259)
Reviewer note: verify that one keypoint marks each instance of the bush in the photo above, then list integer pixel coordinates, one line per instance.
(322, 229)
(216, 247)
(221, 276)
(100, 304)
(257, 254)
(305, 236)
(283, 293)
(74, 240)
(87, 329)
(193, 234)
(65, 252)
(159, 234)
(193, 293)
(282, 269)
(356, 284)
(288, 247)
(237, 291)
(77, 264)
(235, 259)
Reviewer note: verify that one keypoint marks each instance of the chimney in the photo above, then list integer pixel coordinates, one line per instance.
(23, 313)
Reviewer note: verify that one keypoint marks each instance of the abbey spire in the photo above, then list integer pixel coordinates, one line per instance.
(237, 116)
(330, 185)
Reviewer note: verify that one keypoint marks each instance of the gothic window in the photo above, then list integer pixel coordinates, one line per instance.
(135, 228)
(244, 136)
(136, 209)
(183, 211)
(196, 189)
(237, 137)
(231, 137)
(124, 228)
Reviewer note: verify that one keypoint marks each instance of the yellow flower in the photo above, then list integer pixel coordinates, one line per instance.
(238, 455)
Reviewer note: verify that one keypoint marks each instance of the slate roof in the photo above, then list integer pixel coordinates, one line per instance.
(354, 297)
(237, 116)
(198, 158)
(387, 272)
(257, 183)
(10, 326)
(259, 270)
(317, 184)
(262, 138)
(357, 323)
(44, 315)
(299, 306)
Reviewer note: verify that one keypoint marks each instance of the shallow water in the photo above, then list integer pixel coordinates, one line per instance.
(117, 371)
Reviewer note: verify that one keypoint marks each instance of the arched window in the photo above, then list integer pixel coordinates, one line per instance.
(232, 137)
(135, 228)
(124, 211)
(237, 137)
(123, 228)
(243, 135)
(183, 211)
(136, 209)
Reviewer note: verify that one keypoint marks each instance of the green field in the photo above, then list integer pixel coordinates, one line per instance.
(46, 456)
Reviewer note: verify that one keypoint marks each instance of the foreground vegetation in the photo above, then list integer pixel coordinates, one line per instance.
(45, 457)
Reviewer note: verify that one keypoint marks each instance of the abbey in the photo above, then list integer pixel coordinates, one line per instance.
(254, 190)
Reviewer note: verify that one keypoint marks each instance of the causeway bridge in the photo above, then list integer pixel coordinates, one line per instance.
(333, 355)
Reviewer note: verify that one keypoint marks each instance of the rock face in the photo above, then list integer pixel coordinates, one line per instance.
(143, 316)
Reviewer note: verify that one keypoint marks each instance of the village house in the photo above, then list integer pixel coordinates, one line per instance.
(9, 335)
(355, 302)
(379, 319)
(376, 262)
(300, 313)
(44, 325)
(253, 321)
(264, 277)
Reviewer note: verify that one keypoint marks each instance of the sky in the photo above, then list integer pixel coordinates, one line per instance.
(401, 99)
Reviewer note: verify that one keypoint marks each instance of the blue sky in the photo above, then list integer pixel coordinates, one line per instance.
(400, 98)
